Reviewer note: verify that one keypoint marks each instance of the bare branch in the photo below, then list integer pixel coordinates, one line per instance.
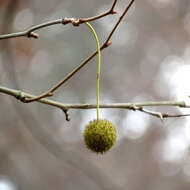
(152, 113)
(30, 32)
(119, 21)
(160, 114)
(131, 106)
(105, 44)
(166, 115)
(111, 11)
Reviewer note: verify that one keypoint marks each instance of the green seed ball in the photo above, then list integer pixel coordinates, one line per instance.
(100, 135)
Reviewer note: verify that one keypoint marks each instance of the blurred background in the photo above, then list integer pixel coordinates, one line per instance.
(147, 61)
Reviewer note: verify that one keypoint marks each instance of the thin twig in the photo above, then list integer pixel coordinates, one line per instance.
(30, 32)
(111, 11)
(166, 115)
(161, 115)
(119, 21)
(152, 113)
(105, 44)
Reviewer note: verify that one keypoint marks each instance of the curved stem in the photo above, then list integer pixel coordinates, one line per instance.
(99, 61)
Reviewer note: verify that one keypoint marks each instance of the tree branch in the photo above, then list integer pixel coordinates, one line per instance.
(131, 106)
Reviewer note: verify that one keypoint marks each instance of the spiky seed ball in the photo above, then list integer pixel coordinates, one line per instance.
(100, 135)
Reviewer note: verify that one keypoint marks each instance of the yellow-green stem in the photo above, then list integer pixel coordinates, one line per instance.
(98, 72)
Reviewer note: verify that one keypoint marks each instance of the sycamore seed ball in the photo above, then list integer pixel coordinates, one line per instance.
(100, 135)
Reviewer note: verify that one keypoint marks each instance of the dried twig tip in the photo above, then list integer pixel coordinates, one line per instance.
(33, 35)
(67, 117)
(50, 94)
(113, 12)
(108, 43)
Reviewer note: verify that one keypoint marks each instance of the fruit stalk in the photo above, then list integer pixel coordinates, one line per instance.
(99, 62)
